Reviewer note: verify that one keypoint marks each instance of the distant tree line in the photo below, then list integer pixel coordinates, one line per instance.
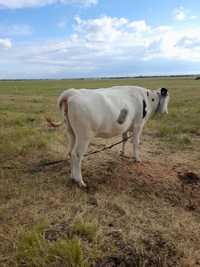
(195, 77)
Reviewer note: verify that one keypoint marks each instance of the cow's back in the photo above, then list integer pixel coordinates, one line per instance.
(98, 110)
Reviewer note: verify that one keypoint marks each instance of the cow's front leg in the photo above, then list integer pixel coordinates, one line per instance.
(124, 140)
(136, 141)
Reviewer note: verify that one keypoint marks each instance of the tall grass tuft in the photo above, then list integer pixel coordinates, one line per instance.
(85, 229)
(33, 250)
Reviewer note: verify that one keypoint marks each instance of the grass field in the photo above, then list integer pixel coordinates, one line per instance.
(130, 215)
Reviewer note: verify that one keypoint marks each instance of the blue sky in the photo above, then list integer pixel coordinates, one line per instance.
(92, 38)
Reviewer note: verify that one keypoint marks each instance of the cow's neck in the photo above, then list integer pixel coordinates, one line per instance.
(158, 105)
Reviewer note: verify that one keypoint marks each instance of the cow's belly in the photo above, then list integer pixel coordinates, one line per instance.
(113, 129)
(108, 134)
(108, 125)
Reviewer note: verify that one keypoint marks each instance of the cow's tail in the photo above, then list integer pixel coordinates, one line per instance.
(63, 107)
(53, 124)
(63, 102)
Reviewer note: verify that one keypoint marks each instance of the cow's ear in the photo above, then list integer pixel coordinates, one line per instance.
(163, 92)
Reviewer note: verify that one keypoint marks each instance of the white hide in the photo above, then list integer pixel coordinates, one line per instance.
(93, 113)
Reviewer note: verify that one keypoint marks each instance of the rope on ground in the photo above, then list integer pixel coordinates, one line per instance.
(86, 155)
(107, 147)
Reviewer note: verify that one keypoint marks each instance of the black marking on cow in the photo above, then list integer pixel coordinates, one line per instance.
(153, 99)
(163, 92)
(144, 109)
(122, 116)
(147, 93)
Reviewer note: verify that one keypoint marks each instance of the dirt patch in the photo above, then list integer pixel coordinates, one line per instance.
(55, 232)
(189, 178)
(155, 253)
(125, 198)
(145, 180)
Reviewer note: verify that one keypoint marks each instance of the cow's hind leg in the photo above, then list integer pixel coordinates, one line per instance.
(69, 136)
(71, 143)
(77, 154)
(70, 140)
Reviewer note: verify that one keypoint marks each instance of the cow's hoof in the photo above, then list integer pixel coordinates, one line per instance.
(121, 154)
(126, 157)
(137, 160)
(82, 184)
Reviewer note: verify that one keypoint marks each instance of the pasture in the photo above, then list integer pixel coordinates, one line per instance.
(131, 214)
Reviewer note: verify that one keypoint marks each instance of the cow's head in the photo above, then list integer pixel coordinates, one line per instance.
(163, 95)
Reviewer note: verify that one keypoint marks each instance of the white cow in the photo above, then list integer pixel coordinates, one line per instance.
(106, 113)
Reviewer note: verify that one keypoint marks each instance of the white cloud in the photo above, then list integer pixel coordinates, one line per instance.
(193, 17)
(139, 25)
(14, 4)
(179, 13)
(100, 29)
(108, 30)
(103, 45)
(5, 43)
(189, 42)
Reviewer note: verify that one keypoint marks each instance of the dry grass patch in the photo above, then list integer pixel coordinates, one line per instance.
(130, 214)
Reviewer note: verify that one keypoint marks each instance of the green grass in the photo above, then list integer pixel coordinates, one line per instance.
(132, 211)
(87, 230)
(35, 251)
(25, 103)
